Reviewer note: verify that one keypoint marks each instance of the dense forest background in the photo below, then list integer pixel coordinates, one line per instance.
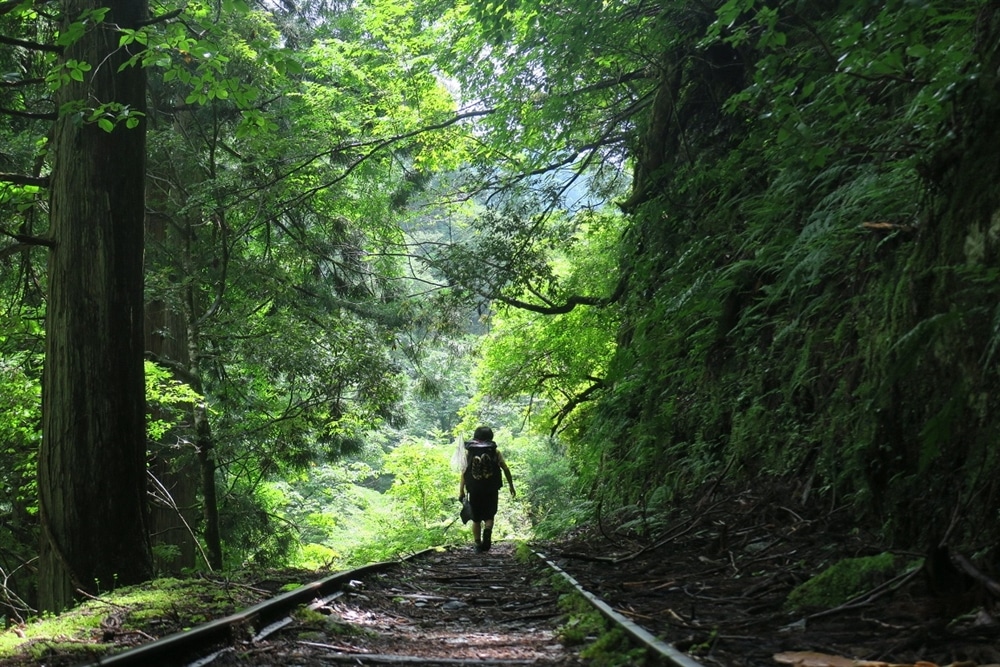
(659, 246)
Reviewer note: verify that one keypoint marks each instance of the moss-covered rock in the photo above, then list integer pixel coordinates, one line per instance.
(842, 581)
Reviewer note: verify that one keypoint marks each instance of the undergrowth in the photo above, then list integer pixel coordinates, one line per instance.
(810, 296)
(841, 581)
(605, 645)
(157, 608)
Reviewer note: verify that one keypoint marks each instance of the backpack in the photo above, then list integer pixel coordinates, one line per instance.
(482, 472)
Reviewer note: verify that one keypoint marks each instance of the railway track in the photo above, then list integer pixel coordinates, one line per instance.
(451, 607)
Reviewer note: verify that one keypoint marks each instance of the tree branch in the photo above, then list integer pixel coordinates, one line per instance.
(584, 396)
(23, 179)
(33, 46)
(177, 368)
(27, 239)
(28, 114)
(561, 309)
(21, 82)
(11, 249)
(24, 241)
(568, 305)
(373, 148)
(161, 18)
(617, 81)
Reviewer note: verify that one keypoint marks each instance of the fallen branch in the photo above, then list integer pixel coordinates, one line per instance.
(989, 584)
(867, 598)
(335, 647)
(169, 502)
(393, 659)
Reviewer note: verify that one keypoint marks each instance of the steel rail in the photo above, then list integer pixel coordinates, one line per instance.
(194, 646)
(667, 652)
(179, 647)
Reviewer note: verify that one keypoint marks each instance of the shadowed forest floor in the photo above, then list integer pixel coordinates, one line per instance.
(714, 581)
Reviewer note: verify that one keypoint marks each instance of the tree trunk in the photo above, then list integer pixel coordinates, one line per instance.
(92, 467)
(204, 442)
(172, 523)
(206, 458)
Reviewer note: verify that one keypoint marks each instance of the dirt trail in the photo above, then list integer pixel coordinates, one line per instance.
(453, 607)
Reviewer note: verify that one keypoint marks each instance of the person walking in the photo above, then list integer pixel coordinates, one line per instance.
(481, 478)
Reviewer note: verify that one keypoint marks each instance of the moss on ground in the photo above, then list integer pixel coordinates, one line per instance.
(605, 646)
(841, 581)
(157, 608)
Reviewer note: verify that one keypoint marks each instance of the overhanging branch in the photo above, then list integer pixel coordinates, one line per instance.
(23, 179)
(27, 239)
(569, 304)
(161, 18)
(21, 82)
(560, 309)
(587, 394)
(51, 115)
(371, 148)
(24, 241)
(33, 46)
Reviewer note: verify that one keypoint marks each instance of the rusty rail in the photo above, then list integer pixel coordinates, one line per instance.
(259, 616)
(199, 646)
(667, 653)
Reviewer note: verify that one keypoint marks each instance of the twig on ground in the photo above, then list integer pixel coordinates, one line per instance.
(869, 597)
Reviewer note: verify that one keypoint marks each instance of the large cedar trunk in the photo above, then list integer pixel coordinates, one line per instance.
(92, 467)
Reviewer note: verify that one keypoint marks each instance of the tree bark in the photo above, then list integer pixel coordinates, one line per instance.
(92, 467)
(204, 441)
(210, 511)
(166, 339)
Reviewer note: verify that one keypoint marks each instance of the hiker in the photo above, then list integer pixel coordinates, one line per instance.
(481, 478)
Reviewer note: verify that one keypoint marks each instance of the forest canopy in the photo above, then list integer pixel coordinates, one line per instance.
(292, 251)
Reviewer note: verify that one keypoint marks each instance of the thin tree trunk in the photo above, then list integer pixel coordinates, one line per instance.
(206, 457)
(92, 467)
(204, 443)
(166, 338)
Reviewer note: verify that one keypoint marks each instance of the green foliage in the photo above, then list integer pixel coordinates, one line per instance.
(558, 360)
(583, 622)
(799, 283)
(334, 511)
(273, 268)
(552, 95)
(423, 508)
(185, 602)
(523, 553)
(342, 518)
(168, 398)
(803, 298)
(613, 648)
(605, 645)
(20, 398)
(423, 485)
(254, 534)
(20, 435)
(842, 581)
(547, 485)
